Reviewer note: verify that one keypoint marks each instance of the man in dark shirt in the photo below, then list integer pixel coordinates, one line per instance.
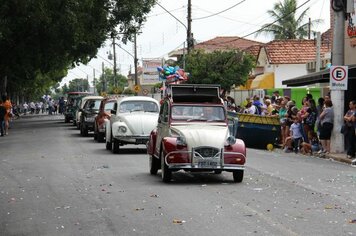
(2, 117)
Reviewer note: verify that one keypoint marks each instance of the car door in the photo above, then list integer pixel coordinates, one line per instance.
(162, 126)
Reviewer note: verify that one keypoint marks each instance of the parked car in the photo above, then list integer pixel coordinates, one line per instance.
(131, 122)
(88, 113)
(193, 134)
(71, 106)
(104, 115)
(80, 105)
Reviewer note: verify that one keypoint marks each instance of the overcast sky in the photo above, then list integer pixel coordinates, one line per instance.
(162, 33)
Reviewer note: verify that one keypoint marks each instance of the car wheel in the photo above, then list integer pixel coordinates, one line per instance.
(238, 175)
(85, 131)
(100, 137)
(108, 145)
(116, 148)
(166, 173)
(154, 165)
(95, 136)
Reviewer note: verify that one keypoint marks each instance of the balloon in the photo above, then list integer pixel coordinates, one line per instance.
(269, 147)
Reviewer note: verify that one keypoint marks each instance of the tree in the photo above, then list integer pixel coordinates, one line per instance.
(43, 37)
(286, 23)
(78, 85)
(226, 68)
(106, 82)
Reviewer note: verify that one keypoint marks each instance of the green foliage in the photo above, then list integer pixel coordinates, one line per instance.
(287, 25)
(110, 83)
(42, 39)
(226, 68)
(78, 85)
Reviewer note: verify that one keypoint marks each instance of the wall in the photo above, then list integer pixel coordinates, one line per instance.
(350, 42)
(286, 71)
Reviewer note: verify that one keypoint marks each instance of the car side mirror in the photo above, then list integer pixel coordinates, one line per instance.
(113, 112)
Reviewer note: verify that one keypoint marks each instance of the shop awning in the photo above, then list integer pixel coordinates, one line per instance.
(263, 81)
(316, 77)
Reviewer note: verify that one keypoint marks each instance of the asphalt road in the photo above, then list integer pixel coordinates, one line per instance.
(55, 182)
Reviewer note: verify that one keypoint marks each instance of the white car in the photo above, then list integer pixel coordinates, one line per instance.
(131, 122)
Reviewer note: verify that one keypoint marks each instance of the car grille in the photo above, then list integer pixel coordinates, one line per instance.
(206, 152)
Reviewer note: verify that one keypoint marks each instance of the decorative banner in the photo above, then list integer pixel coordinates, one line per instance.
(351, 28)
(150, 73)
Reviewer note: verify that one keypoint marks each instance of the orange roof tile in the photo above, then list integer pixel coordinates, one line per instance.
(225, 43)
(293, 51)
(253, 50)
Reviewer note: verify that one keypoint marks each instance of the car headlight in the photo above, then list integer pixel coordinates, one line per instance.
(231, 140)
(122, 129)
(181, 141)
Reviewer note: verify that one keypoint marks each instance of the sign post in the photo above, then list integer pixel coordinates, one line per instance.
(338, 77)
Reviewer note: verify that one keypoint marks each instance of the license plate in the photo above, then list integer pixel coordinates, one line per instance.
(207, 163)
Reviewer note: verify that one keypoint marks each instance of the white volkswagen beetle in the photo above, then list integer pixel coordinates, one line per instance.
(131, 122)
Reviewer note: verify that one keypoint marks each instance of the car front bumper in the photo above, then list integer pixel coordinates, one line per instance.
(132, 139)
(198, 163)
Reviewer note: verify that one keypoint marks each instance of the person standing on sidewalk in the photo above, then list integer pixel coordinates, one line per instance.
(349, 130)
(2, 118)
(326, 125)
(7, 104)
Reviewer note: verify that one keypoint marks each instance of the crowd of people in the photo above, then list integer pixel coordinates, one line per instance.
(307, 129)
(9, 110)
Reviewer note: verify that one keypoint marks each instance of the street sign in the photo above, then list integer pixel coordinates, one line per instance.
(145, 91)
(137, 88)
(338, 77)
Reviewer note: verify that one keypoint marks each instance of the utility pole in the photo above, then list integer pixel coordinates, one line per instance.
(338, 96)
(309, 28)
(189, 28)
(135, 60)
(104, 79)
(115, 72)
(94, 80)
(318, 45)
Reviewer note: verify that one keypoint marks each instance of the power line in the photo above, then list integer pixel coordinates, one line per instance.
(228, 18)
(172, 15)
(105, 59)
(204, 17)
(158, 14)
(266, 26)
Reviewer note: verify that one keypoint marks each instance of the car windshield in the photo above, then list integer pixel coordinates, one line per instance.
(132, 106)
(93, 104)
(109, 106)
(192, 113)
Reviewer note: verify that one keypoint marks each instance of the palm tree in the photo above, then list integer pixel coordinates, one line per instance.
(286, 24)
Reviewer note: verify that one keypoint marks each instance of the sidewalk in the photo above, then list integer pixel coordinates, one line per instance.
(340, 157)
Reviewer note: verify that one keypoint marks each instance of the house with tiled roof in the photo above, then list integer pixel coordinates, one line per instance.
(284, 59)
(223, 43)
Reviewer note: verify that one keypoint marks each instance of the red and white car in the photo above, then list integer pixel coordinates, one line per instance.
(193, 134)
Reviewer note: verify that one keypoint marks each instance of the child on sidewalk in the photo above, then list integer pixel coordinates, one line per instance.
(296, 134)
